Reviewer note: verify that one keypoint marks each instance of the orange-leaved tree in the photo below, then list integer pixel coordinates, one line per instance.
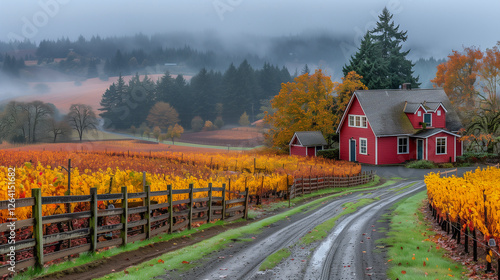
(350, 83)
(303, 105)
(458, 75)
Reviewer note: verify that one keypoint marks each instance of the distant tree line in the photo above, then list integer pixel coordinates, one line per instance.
(210, 95)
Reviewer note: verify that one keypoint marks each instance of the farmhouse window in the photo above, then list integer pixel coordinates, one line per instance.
(419, 113)
(358, 121)
(439, 112)
(363, 146)
(441, 146)
(428, 119)
(403, 145)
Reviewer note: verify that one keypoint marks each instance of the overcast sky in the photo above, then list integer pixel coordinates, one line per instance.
(434, 27)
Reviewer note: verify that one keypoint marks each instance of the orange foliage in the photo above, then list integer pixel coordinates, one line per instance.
(260, 173)
(458, 75)
(467, 197)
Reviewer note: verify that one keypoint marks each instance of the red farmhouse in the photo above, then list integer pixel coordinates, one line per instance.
(307, 143)
(394, 126)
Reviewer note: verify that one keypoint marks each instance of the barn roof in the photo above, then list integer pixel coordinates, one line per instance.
(310, 138)
(385, 109)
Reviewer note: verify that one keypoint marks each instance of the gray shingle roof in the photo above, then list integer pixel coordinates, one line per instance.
(429, 132)
(384, 109)
(412, 107)
(311, 138)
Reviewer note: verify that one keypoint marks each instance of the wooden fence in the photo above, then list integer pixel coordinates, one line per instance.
(307, 185)
(135, 223)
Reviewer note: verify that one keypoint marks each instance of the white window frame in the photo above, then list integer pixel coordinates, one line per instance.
(439, 113)
(352, 120)
(445, 145)
(407, 145)
(423, 119)
(361, 140)
(359, 121)
(419, 113)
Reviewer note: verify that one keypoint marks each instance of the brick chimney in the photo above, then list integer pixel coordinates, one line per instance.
(406, 86)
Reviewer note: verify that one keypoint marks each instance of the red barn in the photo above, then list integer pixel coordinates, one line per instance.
(307, 143)
(394, 126)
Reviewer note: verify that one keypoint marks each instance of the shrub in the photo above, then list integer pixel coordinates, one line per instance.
(197, 124)
(421, 164)
(329, 154)
(219, 123)
(208, 126)
(475, 157)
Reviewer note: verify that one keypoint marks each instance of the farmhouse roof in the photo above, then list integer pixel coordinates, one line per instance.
(310, 138)
(385, 109)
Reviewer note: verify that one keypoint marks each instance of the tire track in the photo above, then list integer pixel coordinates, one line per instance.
(339, 255)
(245, 264)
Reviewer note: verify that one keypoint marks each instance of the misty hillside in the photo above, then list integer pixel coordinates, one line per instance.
(181, 53)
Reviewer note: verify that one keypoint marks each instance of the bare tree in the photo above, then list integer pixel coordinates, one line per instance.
(58, 128)
(37, 113)
(81, 118)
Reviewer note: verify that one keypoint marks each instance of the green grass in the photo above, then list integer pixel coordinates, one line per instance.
(410, 249)
(321, 230)
(272, 260)
(88, 257)
(401, 189)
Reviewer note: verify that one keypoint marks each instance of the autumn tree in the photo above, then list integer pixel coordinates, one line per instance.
(350, 83)
(244, 119)
(457, 77)
(163, 115)
(157, 132)
(303, 105)
(82, 118)
(174, 132)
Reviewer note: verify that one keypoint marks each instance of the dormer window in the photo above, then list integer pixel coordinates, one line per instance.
(439, 112)
(419, 113)
(428, 119)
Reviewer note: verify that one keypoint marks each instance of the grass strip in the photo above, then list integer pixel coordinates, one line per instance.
(272, 260)
(88, 257)
(411, 253)
(322, 230)
(401, 189)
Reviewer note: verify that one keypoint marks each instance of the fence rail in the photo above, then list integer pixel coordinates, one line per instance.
(135, 223)
(306, 185)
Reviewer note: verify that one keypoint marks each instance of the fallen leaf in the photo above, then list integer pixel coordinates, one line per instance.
(185, 262)
(403, 272)
(161, 261)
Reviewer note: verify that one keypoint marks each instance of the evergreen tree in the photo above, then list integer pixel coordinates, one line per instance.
(380, 59)
(369, 63)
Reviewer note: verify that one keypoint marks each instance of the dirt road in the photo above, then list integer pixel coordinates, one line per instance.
(348, 251)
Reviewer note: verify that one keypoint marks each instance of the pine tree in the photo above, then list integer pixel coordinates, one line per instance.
(380, 59)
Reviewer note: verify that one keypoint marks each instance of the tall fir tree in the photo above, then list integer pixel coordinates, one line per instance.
(380, 59)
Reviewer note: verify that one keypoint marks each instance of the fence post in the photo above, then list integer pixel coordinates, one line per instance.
(93, 219)
(147, 215)
(247, 195)
(170, 209)
(289, 188)
(302, 186)
(190, 215)
(38, 227)
(209, 202)
(223, 211)
(124, 217)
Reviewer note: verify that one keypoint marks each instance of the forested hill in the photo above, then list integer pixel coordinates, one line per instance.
(188, 53)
